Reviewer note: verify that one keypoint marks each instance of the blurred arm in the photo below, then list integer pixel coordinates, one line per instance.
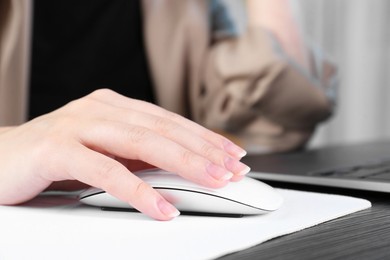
(277, 17)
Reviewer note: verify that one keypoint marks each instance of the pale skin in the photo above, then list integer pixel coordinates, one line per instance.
(277, 17)
(91, 139)
(100, 140)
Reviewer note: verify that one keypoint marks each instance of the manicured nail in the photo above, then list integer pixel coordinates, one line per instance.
(168, 209)
(245, 171)
(219, 173)
(236, 166)
(234, 149)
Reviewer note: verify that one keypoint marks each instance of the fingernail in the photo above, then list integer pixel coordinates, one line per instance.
(218, 173)
(245, 171)
(234, 149)
(168, 209)
(236, 166)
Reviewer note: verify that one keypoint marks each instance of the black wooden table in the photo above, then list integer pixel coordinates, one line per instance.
(361, 235)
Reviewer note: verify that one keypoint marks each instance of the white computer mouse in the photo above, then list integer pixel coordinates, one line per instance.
(246, 197)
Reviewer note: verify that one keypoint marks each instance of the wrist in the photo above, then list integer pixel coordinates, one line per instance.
(277, 17)
(268, 13)
(4, 129)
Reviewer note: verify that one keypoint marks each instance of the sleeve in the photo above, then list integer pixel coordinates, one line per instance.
(255, 93)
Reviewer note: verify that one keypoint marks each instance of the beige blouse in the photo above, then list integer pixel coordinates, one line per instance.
(244, 86)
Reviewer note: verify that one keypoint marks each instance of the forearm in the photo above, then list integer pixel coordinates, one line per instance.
(277, 17)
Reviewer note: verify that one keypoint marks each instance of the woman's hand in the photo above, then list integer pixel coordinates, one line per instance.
(95, 139)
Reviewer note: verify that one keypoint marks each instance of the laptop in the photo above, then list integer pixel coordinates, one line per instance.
(363, 166)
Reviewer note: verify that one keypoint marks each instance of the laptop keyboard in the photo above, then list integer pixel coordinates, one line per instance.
(379, 171)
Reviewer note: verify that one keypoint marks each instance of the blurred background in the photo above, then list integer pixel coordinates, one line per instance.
(356, 35)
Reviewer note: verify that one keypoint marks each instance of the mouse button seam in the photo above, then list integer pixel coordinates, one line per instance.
(214, 195)
(92, 194)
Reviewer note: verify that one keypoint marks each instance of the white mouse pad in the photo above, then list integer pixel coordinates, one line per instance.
(60, 228)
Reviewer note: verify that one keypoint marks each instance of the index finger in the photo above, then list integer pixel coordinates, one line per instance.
(112, 98)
